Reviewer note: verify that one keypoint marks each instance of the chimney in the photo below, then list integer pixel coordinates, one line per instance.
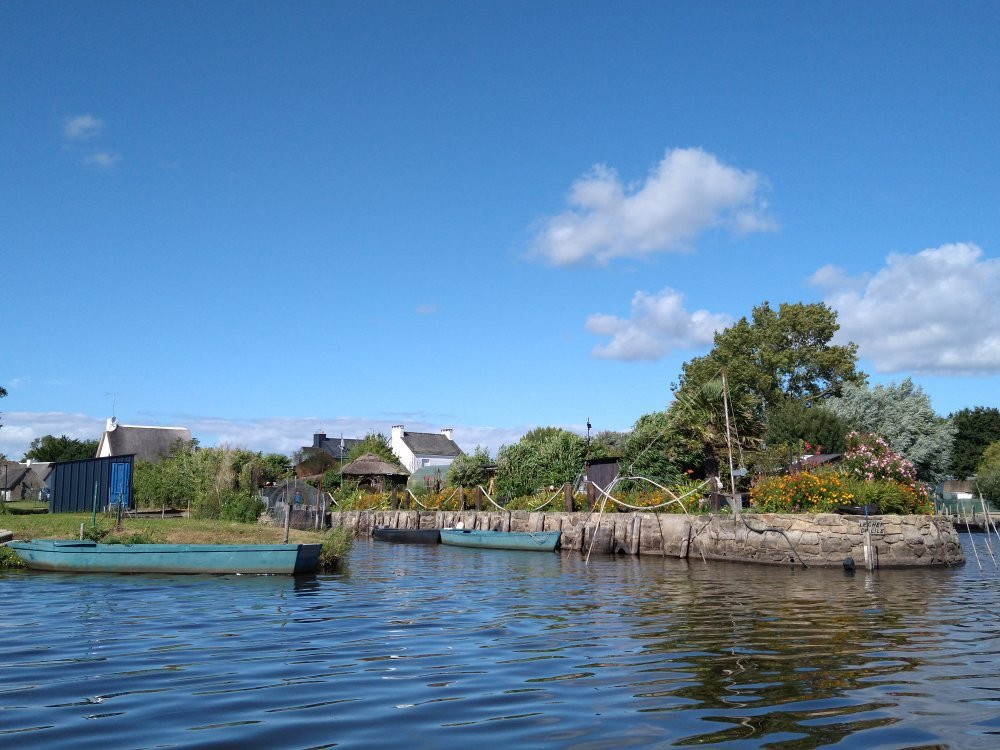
(318, 439)
(397, 432)
(447, 432)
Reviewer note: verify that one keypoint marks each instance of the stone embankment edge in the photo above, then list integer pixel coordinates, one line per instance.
(821, 539)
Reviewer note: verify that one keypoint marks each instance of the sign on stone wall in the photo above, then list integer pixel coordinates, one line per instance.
(876, 526)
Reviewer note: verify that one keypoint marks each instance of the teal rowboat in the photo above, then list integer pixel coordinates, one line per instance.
(545, 541)
(89, 557)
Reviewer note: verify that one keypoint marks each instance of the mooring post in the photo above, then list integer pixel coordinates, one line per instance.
(461, 498)
(477, 495)
(288, 517)
(568, 497)
(394, 494)
(591, 496)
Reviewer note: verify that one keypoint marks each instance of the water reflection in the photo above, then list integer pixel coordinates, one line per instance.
(450, 647)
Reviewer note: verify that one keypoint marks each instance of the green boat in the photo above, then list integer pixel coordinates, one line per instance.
(544, 541)
(73, 556)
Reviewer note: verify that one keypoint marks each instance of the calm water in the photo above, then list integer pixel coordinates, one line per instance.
(443, 647)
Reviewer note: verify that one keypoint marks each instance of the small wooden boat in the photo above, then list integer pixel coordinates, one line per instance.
(545, 541)
(406, 536)
(90, 557)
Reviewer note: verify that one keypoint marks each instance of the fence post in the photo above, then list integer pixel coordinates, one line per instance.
(568, 496)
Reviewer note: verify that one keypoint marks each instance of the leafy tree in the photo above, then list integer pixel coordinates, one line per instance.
(795, 422)
(62, 448)
(274, 467)
(974, 430)
(312, 461)
(988, 473)
(653, 450)
(217, 482)
(778, 355)
(545, 456)
(608, 444)
(469, 470)
(903, 415)
(373, 442)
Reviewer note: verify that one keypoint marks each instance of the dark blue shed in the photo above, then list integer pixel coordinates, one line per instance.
(72, 484)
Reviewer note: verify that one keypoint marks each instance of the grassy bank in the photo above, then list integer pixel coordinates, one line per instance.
(336, 543)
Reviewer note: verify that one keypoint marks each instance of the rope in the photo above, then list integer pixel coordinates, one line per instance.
(426, 507)
(487, 494)
(776, 530)
(673, 498)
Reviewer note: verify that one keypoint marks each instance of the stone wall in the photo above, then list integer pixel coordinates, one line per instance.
(821, 539)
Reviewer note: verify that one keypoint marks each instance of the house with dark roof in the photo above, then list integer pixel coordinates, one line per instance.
(22, 481)
(417, 450)
(337, 447)
(145, 443)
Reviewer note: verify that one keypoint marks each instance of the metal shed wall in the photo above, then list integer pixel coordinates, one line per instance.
(71, 483)
(602, 471)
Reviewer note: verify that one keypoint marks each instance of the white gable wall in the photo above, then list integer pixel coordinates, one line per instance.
(402, 450)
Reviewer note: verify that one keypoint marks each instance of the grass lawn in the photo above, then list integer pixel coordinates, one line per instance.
(164, 531)
(25, 506)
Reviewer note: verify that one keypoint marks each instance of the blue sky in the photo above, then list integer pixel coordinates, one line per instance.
(263, 219)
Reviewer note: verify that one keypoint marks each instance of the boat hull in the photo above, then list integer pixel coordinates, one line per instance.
(544, 541)
(406, 536)
(89, 557)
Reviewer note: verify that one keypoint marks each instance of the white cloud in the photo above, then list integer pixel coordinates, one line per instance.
(82, 127)
(426, 309)
(20, 428)
(687, 193)
(658, 324)
(934, 312)
(102, 159)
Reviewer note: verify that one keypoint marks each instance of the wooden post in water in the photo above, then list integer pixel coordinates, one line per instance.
(477, 495)
(568, 497)
(288, 517)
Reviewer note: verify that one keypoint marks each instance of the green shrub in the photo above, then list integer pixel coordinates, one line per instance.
(9, 559)
(336, 548)
(239, 505)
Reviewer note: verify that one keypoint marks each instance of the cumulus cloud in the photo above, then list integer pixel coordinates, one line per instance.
(82, 127)
(934, 312)
(658, 324)
(687, 193)
(20, 428)
(102, 159)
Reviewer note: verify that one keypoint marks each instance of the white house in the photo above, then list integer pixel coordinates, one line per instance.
(147, 443)
(415, 450)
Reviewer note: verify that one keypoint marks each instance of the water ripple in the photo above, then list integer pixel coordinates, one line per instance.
(438, 647)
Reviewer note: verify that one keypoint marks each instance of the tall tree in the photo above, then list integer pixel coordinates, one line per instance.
(62, 448)
(903, 415)
(779, 354)
(796, 422)
(974, 430)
